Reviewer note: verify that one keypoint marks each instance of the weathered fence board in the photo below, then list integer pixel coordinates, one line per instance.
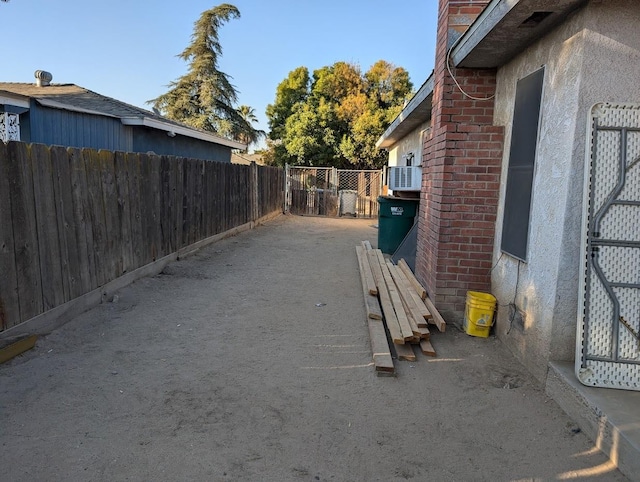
(69, 261)
(97, 215)
(25, 234)
(82, 222)
(133, 164)
(113, 242)
(47, 228)
(72, 220)
(9, 304)
(121, 167)
(179, 220)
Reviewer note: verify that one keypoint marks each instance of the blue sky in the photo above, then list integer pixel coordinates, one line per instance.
(127, 49)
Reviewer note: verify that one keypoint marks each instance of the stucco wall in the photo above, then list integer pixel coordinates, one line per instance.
(593, 57)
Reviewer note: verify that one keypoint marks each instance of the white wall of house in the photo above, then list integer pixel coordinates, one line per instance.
(593, 57)
(409, 145)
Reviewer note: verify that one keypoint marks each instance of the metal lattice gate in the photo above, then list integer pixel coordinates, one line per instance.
(327, 191)
(608, 343)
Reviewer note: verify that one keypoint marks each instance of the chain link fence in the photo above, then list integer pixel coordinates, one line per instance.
(326, 191)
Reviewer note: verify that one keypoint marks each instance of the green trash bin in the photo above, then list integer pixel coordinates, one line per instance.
(395, 219)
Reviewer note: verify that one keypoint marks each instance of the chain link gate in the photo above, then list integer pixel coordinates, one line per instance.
(327, 191)
(608, 337)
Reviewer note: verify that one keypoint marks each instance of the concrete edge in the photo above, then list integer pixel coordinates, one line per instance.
(602, 414)
(50, 320)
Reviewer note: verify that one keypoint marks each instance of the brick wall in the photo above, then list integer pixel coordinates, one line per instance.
(461, 174)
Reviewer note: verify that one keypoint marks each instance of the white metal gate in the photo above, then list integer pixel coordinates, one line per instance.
(327, 191)
(608, 343)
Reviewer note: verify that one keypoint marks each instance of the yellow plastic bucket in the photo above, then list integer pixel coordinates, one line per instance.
(478, 314)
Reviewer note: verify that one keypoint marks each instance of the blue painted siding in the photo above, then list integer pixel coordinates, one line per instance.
(145, 140)
(50, 126)
(75, 129)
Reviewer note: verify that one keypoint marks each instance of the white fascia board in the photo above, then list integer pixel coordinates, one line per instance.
(17, 101)
(493, 13)
(183, 131)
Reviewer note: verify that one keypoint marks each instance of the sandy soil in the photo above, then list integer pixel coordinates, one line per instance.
(250, 361)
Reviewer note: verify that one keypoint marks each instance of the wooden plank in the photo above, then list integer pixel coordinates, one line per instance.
(82, 222)
(415, 329)
(412, 279)
(24, 231)
(197, 206)
(374, 264)
(437, 319)
(418, 308)
(170, 222)
(382, 359)
(405, 352)
(124, 215)
(180, 203)
(425, 334)
(148, 247)
(47, 228)
(165, 204)
(413, 312)
(365, 269)
(155, 184)
(69, 261)
(401, 315)
(385, 301)
(367, 245)
(97, 214)
(134, 165)
(370, 301)
(189, 213)
(9, 304)
(427, 348)
(204, 201)
(17, 348)
(113, 244)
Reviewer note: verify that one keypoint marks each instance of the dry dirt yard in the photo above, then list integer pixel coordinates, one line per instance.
(250, 361)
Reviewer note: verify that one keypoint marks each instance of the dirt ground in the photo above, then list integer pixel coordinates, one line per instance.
(250, 361)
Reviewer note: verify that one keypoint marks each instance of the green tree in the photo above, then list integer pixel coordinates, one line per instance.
(337, 118)
(204, 97)
(291, 94)
(249, 135)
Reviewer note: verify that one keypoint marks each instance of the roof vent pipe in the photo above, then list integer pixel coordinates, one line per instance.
(43, 78)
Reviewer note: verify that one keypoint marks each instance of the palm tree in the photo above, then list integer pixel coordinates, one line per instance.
(246, 133)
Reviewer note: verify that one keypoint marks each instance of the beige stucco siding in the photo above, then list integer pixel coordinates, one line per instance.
(593, 57)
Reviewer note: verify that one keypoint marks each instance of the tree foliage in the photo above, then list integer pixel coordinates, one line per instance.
(335, 117)
(252, 136)
(204, 97)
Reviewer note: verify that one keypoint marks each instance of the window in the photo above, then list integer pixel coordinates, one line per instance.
(522, 155)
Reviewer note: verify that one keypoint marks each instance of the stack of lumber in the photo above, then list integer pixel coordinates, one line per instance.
(395, 300)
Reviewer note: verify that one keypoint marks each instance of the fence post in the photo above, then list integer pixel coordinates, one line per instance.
(255, 198)
(287, 188)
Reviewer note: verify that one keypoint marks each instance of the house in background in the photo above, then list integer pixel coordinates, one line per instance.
(72, 116)
(404, 139)
(529, 191)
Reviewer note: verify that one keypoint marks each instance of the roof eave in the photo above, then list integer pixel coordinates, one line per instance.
(499, 33)
(416, 112)
(183, 131)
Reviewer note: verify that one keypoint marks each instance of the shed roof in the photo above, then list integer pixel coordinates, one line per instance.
(74, 98)
(503, 29)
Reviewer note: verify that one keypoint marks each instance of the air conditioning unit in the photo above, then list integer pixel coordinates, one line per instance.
(405, 178)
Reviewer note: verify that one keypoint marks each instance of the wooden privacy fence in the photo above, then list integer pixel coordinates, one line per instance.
(73, 219)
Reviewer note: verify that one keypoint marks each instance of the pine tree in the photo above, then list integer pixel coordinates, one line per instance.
(204, 97)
